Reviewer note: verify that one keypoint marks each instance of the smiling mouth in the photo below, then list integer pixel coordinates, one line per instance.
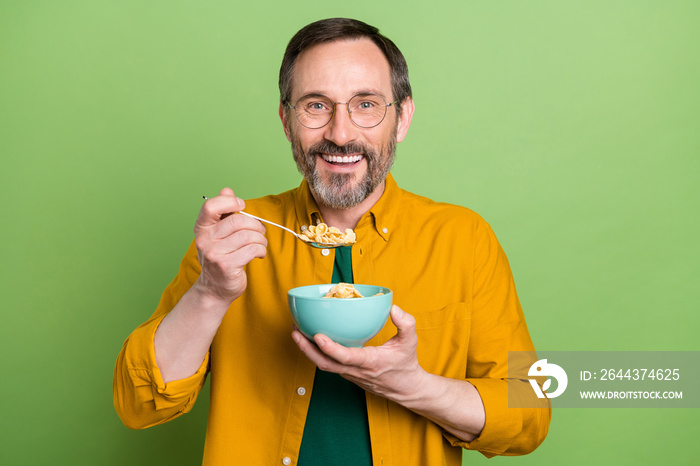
(341, 159)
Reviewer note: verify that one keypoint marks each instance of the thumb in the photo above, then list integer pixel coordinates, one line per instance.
(405, 322)
(229, 193)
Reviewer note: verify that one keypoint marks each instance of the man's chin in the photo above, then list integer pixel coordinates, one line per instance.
(350, 194)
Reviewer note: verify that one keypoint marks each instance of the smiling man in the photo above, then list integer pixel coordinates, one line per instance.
(431, 383)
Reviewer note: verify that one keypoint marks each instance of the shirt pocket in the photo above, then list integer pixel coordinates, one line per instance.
(443, 339)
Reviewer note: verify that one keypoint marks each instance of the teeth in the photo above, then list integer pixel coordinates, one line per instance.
(339, 159)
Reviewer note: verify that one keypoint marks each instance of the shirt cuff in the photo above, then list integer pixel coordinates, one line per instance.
(144, 371)
(502, 424)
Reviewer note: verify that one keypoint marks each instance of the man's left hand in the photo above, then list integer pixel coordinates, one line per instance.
(390, 370)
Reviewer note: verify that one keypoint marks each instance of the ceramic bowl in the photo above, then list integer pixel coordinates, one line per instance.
(348, 321)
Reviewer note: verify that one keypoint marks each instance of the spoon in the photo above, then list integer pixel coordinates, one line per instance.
(314, 244)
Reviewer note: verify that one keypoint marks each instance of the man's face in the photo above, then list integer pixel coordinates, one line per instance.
(342, 162)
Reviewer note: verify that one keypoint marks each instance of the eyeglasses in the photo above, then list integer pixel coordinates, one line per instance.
(364, 110)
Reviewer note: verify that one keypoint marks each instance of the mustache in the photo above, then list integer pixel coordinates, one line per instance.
(331, 148)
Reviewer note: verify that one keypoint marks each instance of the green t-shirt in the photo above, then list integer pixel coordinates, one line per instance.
(336, 430)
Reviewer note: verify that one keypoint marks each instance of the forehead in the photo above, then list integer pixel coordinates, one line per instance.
(342, 69)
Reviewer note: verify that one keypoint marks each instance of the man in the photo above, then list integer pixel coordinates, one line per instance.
(430, 383)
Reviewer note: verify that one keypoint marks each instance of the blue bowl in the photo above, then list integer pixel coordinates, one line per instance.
(348, 321)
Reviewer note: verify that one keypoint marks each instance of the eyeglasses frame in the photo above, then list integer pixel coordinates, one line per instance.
(347, 107)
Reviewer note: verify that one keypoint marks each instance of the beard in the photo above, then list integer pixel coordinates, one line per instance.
(343, 190)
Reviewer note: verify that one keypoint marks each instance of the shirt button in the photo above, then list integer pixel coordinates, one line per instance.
(385, 230)
(303, 228)
(325, 252)
(301, 391)
(286, 460)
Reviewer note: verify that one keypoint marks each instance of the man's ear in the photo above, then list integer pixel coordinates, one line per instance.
(285, 122)
(407, 109)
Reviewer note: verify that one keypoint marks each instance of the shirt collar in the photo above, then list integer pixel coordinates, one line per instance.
(381, 216)
(383, 213)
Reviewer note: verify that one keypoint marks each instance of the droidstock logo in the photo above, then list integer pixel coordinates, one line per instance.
(543, 368)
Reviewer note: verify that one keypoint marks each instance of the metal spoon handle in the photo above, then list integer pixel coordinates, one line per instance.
(271, 223)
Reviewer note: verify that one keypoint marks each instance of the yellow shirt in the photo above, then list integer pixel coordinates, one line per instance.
(445, 267)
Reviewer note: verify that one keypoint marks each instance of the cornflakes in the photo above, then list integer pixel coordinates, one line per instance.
(322, 233)
(343, 290)
(346, 290)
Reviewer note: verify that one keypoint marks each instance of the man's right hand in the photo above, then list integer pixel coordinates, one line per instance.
(225, 245)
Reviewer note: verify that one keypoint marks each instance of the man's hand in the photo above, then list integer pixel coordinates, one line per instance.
(225, 245)
(392, 371)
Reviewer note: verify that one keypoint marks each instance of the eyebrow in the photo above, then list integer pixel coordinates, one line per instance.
(313, 94)
(361, 92)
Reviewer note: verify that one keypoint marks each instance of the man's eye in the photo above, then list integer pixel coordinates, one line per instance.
(316, 107)
(366, 105)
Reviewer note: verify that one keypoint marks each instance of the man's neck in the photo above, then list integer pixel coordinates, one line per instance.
(350, 217)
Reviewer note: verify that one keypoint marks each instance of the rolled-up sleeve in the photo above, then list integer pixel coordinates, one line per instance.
(141, 397)
(507, 431)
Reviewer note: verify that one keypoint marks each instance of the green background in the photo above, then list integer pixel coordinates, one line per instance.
(571, 126)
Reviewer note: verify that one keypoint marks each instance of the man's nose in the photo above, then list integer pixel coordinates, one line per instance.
(341, 129)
